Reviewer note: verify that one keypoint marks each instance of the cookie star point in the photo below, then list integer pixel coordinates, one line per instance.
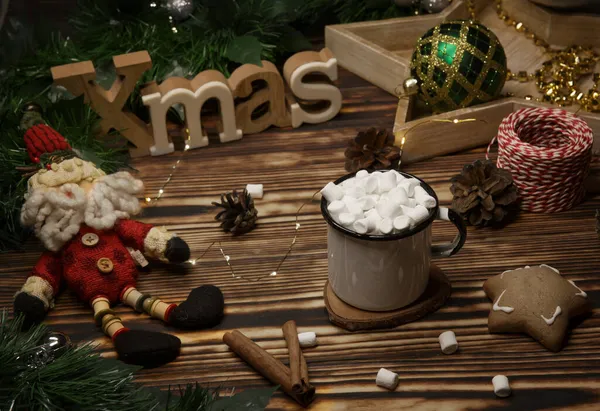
(534, 300)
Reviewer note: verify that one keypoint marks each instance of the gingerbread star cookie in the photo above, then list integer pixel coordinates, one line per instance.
(537, 301)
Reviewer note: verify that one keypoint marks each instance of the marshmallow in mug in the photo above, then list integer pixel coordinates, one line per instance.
(378, 203)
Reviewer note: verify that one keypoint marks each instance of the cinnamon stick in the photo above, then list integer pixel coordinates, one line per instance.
(298, 368)
(267, 365)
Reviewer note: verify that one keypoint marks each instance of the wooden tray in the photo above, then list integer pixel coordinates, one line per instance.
(380, 52)
(354, 319)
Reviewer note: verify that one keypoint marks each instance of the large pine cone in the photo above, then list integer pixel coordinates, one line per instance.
(238, 215)
(483, 193)
(371, 150)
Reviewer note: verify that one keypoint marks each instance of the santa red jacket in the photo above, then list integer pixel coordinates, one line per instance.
(97, 263)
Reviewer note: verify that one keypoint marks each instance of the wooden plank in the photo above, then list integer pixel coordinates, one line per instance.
(292, 164)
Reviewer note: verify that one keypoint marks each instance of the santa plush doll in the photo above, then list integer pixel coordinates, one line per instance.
(82, 216)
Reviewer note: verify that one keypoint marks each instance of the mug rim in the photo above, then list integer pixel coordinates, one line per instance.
(383, 237)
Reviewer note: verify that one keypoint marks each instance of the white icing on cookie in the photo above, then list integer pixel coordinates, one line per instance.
(552, 268)
(505, 309)
(581, 293)
(550, 320)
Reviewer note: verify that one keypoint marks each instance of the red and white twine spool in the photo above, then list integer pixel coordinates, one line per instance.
(548, 151)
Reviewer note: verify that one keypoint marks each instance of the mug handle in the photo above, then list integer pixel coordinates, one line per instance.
(449, 249)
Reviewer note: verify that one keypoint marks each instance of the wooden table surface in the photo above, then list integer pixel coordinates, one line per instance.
(292, 164)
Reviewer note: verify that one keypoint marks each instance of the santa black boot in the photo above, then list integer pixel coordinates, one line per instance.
(202, 309)
(146, 348)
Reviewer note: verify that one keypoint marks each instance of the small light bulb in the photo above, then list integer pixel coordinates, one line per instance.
(455, 121)
(227, 258)
(297, 226)
(273, 274)
(148, 199)
(161, 191)
(174, 29)
(192, 262)
(153, 4)
(187, 147)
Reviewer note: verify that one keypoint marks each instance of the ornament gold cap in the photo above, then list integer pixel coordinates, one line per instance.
(410, 86)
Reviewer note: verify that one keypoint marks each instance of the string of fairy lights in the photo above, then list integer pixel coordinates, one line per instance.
(226, 257)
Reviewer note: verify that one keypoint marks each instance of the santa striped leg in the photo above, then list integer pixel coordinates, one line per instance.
(202, 309)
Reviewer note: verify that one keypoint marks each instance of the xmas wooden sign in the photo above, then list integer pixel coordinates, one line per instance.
(263, 99)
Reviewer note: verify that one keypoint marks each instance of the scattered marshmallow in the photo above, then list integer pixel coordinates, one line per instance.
(387, 379)
(386, 226)
(332, 192)
(501, 386)
(378, 203)
(423, 198)
(307, 339)
(448, 342)
(255, 190)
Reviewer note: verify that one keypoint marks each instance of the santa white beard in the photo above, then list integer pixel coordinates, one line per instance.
(56, 213)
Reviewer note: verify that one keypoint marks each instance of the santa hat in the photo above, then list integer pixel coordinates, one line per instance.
(62, 163)
(39, 137)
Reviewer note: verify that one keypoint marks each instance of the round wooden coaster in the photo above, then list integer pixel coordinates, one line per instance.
(354, 319)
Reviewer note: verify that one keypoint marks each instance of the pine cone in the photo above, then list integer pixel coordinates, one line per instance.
(238, 215)
(372, 150)
(483, 193)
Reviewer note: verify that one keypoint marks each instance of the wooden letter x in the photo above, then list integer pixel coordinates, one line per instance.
(79, 78)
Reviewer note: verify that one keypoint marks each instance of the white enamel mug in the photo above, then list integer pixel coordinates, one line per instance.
(386, 272)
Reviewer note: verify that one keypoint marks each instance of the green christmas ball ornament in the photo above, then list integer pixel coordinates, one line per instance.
(457, 64)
